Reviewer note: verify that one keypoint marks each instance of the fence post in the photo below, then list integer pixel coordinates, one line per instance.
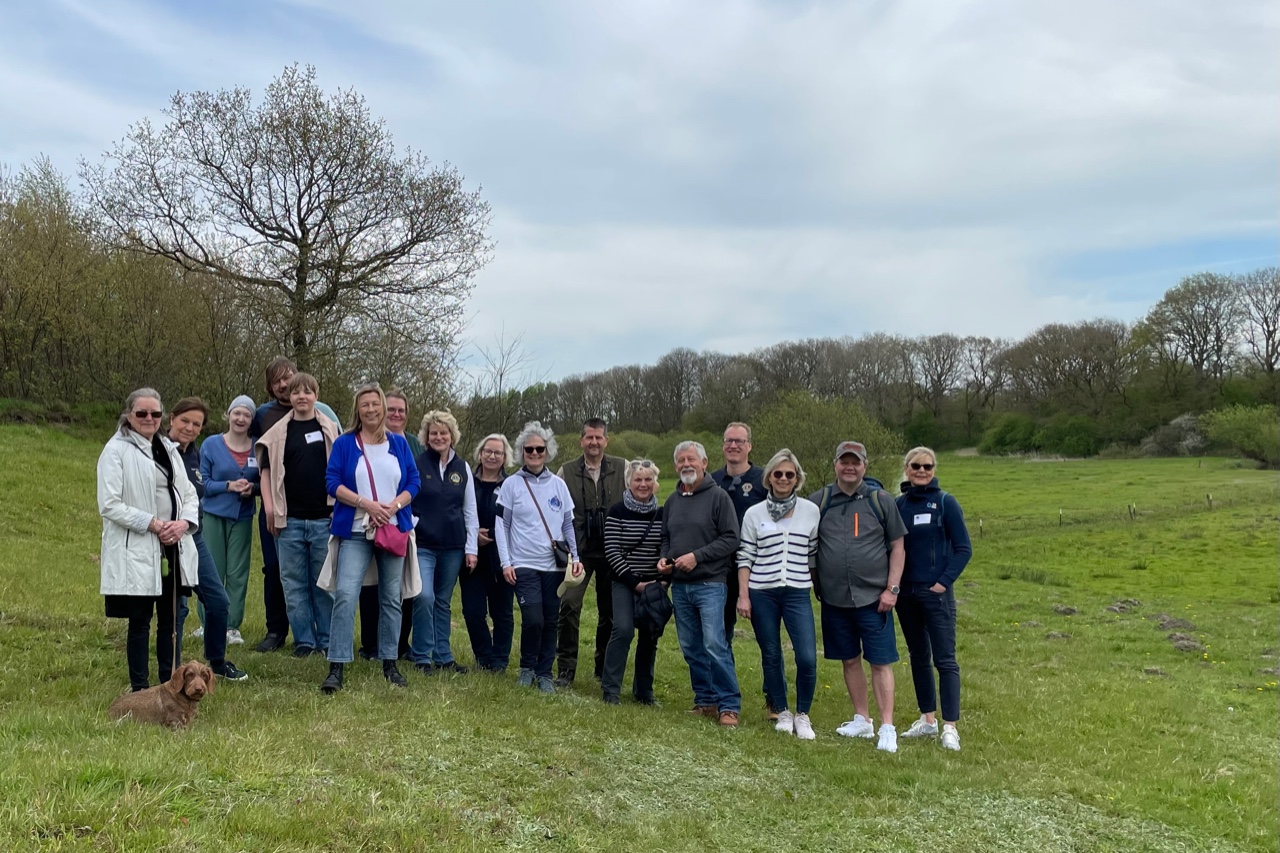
(1209, 500)
(1059, 518)
(981, 533)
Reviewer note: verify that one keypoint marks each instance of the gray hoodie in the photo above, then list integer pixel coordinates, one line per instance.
(704, 523)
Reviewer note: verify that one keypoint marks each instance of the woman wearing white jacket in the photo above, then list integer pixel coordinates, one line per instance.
(149, 510)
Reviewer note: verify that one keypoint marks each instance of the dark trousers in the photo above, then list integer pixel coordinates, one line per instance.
(570, 617)
(138, 639)
(369, 616)
(213, 595)
(730, 607)
(272, 591)
(928, 621)
(536, 592)
(615, 656)
(485, 590)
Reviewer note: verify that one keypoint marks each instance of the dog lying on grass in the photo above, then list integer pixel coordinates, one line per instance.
(171, 704)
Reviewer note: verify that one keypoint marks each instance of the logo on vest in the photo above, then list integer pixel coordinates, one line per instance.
(746, 488)
(455, 478)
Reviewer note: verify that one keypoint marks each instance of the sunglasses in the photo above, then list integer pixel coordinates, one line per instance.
(644, 463)
(142, 415)
(535, 450)
(921, 466)
(783, 475)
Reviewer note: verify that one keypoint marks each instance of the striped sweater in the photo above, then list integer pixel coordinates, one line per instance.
(632, 543)
(780, 553)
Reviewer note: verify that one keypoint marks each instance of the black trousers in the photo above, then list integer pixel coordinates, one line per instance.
(138, 638)
(615, 656)
(272, 591)
(570, 618)
(536, 594)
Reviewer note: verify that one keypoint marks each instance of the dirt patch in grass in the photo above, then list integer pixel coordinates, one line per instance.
(1185, 642)
(1057, 635)
(1170, 623)
(1124, 605)
(1064, 610)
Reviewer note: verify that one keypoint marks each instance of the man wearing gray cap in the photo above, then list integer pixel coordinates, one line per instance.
(860, 562)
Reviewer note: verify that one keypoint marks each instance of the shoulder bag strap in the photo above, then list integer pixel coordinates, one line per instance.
(643, 537)
(372, 486)
(539, 509)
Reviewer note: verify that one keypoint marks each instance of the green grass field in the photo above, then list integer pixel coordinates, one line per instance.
(1082, 732)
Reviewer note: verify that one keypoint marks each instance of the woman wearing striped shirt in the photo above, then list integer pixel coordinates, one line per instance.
(632, 540)
(779, 545)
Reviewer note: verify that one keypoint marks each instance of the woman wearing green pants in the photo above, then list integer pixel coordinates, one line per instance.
(230, 474)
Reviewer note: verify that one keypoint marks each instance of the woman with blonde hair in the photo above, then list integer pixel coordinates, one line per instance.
(372, 478)
(483, 587)
(778, 550)
(447, 531)
(938, 549)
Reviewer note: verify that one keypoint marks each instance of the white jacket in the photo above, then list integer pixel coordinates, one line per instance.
(131, 555)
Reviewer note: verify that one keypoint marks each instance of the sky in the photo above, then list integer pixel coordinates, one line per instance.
(727, 174)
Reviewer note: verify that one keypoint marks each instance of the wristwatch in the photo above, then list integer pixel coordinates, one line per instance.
(895, 589)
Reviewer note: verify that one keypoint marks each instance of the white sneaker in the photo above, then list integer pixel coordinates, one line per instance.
(804, 728)
(859, 726)
(198, 633)
(921, 728)
(234, 638)
(950, 737)
(888, 738)
(786, 722)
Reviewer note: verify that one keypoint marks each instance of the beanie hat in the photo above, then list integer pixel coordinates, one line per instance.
(244, 401)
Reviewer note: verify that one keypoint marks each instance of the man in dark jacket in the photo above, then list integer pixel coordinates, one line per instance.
(595, 482)
(699, 541)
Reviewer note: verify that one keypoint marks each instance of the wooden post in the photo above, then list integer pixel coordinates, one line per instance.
(1209, 499)
(980, 530)
(1059, 518)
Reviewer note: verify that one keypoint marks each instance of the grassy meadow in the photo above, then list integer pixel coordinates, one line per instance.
(1084, 728)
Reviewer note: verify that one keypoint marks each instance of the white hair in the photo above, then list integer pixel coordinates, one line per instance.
(686, 445)
(534, 428)
(507, 456)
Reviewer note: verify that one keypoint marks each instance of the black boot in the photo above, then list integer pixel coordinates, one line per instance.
(333, 683)
(390, 673)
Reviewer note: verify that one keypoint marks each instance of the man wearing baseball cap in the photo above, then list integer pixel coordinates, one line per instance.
(860, 562)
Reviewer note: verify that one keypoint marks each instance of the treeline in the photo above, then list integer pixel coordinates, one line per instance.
(84, 322)
(1212, 341)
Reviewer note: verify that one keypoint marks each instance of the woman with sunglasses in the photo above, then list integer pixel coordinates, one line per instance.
(534, 511)
(779, 546)
(937, 546)
(483, 590)
(632, 545)
(149, 510)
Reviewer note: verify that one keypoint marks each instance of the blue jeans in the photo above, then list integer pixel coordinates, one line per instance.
(928, 621)
(302, 547)
(429, 642)
(485, 589)
(353, 560)
(699, 610)
(213, 595)
(539, 613)
(770, 608)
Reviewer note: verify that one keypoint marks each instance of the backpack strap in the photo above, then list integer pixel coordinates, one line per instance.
(825, 503)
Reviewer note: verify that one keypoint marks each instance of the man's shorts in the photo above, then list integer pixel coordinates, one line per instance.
(848, 632)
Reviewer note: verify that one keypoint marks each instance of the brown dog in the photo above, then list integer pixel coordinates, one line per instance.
(171, 704)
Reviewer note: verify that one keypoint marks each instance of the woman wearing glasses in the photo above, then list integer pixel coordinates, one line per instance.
(937, 545)
(484, 590)
(149, 510)
(779, 546)
(632, 545)
(535, 510)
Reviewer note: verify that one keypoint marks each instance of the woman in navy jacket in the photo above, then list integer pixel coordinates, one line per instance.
(938, 549)
(373, 479)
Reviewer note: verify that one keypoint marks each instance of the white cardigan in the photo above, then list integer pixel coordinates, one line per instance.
(131, 554)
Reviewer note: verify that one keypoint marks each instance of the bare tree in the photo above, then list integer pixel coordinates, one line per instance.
(1200, 318)
(301, 202)
(1259, 294)
(939, 364)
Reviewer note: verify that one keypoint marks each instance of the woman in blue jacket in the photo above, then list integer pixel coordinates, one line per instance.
(373, 479)
(937, 546)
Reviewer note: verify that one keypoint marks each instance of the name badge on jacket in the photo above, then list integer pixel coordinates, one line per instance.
(923, 518)
(313, 437)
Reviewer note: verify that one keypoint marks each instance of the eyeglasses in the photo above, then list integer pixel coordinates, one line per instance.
(735, 441)
(143, 415)
(921, 466)
(534, 451)
(783, 475)
(491, 453)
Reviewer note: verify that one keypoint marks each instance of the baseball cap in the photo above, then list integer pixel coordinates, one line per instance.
(854, 447)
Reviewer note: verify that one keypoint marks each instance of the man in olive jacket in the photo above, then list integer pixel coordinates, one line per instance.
(595, 482)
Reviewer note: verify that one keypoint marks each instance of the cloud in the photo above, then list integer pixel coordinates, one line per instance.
(746, 172)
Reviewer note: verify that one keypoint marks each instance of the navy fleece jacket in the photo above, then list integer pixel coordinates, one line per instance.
(937, 540)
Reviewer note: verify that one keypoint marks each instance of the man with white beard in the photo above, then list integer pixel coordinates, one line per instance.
(699, 541)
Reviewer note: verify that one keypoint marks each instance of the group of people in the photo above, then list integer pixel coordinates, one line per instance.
(369, 518)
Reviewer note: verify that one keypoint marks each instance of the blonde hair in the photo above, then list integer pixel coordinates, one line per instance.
(916, 452)
(640, 465)
(784, 455)
(370, 388)
(444, 418)
(508, 455)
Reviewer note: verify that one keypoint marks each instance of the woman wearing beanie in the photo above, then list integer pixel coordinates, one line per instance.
(229, 470)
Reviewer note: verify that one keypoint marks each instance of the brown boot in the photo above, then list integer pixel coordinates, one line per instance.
(703, 711)
(729, 719)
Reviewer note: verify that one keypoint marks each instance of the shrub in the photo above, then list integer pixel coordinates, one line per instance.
(1009, 433)
(1180, 437)
(812, 428)
(1251, 431)
(1073, 435)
